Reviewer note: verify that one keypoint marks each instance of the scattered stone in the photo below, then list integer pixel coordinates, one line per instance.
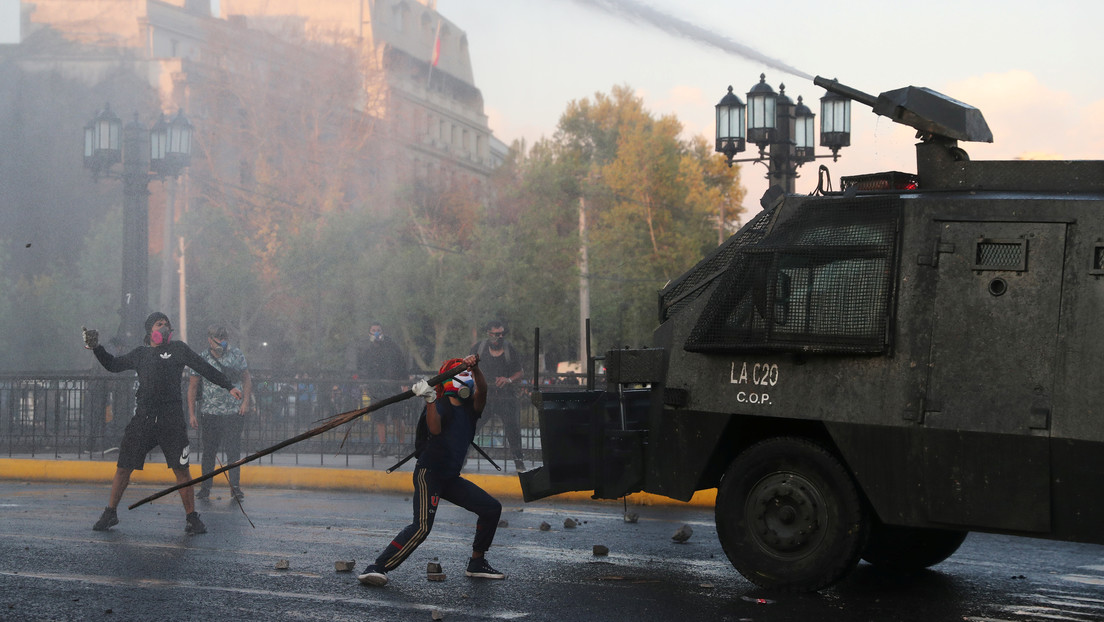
(434, 572)
(437, 615)
(631, 517)
(344, 566)
(283, 564)
(569, 523)
(600, 550)
(503, 524)
(544, 526)
(683, 534)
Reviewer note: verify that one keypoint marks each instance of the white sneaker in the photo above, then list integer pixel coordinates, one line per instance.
(373, 575)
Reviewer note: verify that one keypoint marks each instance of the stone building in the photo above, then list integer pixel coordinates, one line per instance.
(430, 93)
(418, 102)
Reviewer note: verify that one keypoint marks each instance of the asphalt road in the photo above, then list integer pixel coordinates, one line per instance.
(54, 567)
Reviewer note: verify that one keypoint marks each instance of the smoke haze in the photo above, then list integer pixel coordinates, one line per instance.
(640, 12)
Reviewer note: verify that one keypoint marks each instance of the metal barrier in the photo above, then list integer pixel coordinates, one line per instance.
(83, 415)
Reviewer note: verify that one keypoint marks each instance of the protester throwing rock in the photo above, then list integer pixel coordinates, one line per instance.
(159, 413)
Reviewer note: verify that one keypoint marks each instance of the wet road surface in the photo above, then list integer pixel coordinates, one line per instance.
(54, 567)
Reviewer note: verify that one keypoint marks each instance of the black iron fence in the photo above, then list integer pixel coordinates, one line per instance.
(82, 416)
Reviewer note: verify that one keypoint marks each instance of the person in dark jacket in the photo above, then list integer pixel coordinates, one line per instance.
(452, 411)
(159, 412)
(382, 364)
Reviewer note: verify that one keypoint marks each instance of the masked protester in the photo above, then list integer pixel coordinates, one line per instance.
(159, 413)
(221, 417)
(452, 411)
(381, 363)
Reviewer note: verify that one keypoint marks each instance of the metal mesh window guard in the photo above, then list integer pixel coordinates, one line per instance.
(688, 287)
(819, 279)
(1098, 260)
(1001, 255)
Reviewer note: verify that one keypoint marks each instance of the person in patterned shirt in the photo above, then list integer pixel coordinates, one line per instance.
(221, 417)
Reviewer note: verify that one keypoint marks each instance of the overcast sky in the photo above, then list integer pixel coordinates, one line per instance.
(1033, 68)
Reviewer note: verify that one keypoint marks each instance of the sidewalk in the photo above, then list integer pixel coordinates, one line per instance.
(363, 473)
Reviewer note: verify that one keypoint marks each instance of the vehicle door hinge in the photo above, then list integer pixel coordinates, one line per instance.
(933, 259)
(918, 413)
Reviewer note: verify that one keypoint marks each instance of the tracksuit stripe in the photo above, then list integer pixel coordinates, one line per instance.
(422, 532)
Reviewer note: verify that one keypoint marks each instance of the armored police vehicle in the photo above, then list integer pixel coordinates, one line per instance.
(870, 373)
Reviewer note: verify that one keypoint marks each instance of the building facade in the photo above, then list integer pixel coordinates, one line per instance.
(430, 94)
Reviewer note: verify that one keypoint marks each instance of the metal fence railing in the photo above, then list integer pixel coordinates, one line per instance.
(82, 416)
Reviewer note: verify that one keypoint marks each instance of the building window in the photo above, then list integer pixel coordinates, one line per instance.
(397, 15)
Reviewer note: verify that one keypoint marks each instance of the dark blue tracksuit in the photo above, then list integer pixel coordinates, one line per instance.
(436, 477)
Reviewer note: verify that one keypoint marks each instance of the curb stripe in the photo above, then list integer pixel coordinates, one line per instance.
(322, 478)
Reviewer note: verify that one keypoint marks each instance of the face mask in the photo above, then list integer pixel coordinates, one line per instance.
(161, 336)
(375, 335)
(462, 385)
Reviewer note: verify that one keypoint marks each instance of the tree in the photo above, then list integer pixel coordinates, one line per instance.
(278, 168)
(653, 203)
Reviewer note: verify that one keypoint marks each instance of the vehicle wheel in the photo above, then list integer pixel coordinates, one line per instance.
(789, 516)
(910, 548)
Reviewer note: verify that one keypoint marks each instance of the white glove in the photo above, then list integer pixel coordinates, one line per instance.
(423, 390)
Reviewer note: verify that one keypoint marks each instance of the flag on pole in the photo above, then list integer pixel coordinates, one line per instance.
(437, 44)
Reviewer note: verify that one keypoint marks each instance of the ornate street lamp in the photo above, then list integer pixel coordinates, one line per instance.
(170, 145)
(762, 114)
(730, 125)
(103, 141)
(161, 151)
(179, 152)
(804, 132)
(783, 131)
(835, 122)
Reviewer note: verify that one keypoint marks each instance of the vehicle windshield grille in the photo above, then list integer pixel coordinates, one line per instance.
(821, 279)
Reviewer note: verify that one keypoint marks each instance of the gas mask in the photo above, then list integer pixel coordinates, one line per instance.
(161, 336)
(461, 385)
(375, 335)
(220, 347)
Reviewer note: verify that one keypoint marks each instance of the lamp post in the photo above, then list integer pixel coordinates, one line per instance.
(783, 131)
(160, 152)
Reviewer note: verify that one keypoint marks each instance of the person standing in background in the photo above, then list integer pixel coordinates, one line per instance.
(221, 417)
(502, 367)
(382, 364)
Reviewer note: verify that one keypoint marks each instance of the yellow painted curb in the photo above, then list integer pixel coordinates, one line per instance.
(322, 478)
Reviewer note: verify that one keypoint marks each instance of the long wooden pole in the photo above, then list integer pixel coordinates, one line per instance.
(333, 422)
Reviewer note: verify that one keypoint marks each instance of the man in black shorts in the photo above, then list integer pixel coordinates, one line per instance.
(159, 413)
